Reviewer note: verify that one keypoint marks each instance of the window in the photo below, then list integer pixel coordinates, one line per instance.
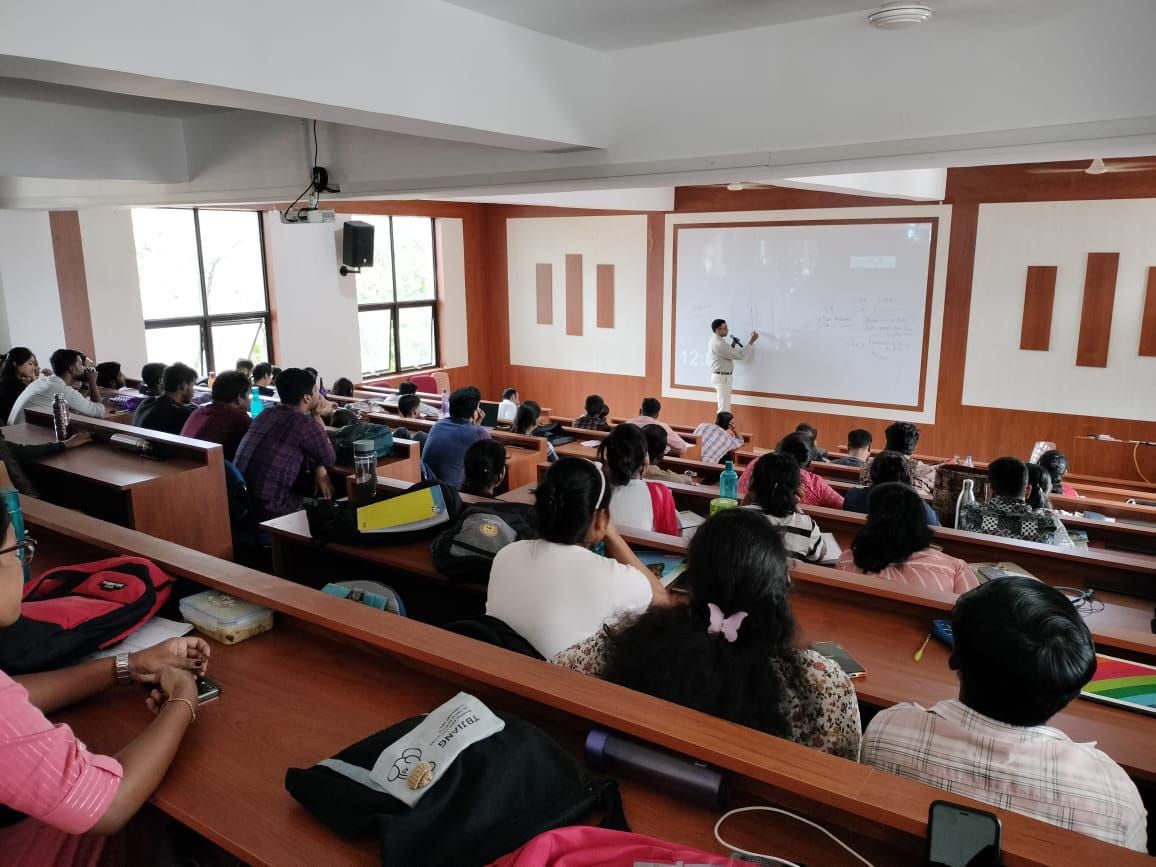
(202, 286)
(397, 297)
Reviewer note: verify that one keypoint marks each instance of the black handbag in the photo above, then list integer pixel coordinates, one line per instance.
(336, 520)
(499, 793)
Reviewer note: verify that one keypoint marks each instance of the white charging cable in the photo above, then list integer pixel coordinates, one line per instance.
(773, 858)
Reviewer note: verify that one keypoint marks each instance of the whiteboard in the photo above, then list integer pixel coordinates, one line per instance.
(842, 310)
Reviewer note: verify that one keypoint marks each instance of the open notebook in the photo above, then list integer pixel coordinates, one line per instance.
(1123, 683)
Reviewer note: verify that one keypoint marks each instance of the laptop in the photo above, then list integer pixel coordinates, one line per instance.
(490, 410)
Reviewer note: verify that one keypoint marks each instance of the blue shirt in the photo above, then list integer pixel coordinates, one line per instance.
(855, 500)
(445, 449)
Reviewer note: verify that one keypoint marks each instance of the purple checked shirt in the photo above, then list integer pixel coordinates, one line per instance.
(273, 453)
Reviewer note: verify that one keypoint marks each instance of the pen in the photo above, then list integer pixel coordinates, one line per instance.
(922, 647)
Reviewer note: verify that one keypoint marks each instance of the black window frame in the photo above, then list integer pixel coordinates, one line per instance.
(206, 321)
(395, 306)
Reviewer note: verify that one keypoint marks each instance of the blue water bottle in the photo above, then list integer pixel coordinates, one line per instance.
(16, 518)
(255, 402)
(728, 482)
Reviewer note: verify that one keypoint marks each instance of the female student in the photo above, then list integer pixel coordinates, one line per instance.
(1055, 462)
(814, 489)
(485, 467)
(637, 503)
(730, 650)
(775, 491)
(554, 591)
(528, 419)
(52, 789)
(20, 368)
(895, 545)
(656, 442)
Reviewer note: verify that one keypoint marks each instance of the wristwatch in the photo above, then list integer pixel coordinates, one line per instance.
(123, 672)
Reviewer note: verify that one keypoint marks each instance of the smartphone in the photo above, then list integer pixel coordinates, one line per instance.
(831, 650)
(959, 836)
(207, 690)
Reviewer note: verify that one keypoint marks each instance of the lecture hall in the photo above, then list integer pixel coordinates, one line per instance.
(545, 433)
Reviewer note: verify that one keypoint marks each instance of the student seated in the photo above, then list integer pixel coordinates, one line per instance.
(445, 449)
(409, 406)
(1007, 513)
(858, 449)
(150, 379)
(903, 437)
(169, 411)
(887, 467)
(649, 415)
(639, 504)
(485, 467)
(596, 413)
(1022, 653)
(528, 421)
(816, 491)
(225, 420)
(342, 387)
(554, 591)
(730, 650)
(19, 370)
(409, 388)
(718, 439)
(109, 375)
(1056, 464)
(263, 379)
(775, 492)
(1039, 498)
(287, 443)
(61, 800)
(69, 368)
(655, 451)
(896, 544)
(812, 433)
(508, 408)
(245, 366)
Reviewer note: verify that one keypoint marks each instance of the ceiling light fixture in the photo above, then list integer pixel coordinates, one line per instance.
(900, 14)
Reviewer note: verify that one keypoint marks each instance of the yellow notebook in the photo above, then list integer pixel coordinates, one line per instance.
(413, 511)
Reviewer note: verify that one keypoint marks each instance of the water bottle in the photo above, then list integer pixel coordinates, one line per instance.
(16, 519)
(445, 404)
(728, 482)
(364, 471)
(60, 418)
(256, 405)
(967, 495)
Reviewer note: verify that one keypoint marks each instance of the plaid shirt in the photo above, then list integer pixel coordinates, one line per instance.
(274, 452)
(218, 422)
(922, 475)
(1037, 771)
(1011, 519)
(591, 422)
(716, 442)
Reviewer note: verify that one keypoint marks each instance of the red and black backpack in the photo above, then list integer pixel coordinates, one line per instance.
(72, 611)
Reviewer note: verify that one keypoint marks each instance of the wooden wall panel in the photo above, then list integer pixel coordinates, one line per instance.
(574, 294)
(72, 282)
(1039, 298)
(1148, 322)
(605, 305)
(544, 287)
(1096, 314)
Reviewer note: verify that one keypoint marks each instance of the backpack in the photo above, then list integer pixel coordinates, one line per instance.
(72, 611)
(336, 520)
(492, 630)
(344, 438)
(465, 550)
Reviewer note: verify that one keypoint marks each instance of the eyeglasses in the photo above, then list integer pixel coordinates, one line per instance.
(27, 547)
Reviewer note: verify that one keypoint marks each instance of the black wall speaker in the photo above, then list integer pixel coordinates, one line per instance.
(357, 244)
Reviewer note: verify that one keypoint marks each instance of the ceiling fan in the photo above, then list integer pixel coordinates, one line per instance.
(1099, 167)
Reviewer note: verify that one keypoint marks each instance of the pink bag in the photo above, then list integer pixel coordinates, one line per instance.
(587, 846)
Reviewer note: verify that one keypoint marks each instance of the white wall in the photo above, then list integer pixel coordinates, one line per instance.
(29, 295)
(316, 306)
(1013, 236)
(451, 259)
(110, 270)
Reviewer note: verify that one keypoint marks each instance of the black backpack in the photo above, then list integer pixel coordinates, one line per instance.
(336, 520)
(344, 438)
(465, 550)
(492, 630)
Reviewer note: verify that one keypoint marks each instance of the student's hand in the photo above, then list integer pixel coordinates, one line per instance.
(324, 483)
(172, 683)
(754, 337)
(185, 654)
(479, 417)
(77, 440)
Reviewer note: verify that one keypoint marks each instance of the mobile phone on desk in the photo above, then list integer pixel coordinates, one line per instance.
(207, 689)
(959, 836)
(836, 653)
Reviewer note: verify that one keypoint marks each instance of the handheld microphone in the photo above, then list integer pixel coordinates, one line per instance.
(736, 342)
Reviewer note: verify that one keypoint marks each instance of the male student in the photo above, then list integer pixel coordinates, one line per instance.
(109, 375)
(169, 411)
(245, 366)
(648, 414)
(858, 449)
(150, 378)
(69, 368)
(286, 440)
(409, 406)
(718, 439)
(263, 378)
(445, 448)
(508, 408)
(595, 417)
(225, 420)
(410, 388)
(1022, 653)
(723, 351)
(1007, 513)
(903, 437)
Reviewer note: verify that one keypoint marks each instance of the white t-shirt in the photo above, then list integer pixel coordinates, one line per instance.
(557, 595)
(630, 506)
(41, 393)
(507, 409)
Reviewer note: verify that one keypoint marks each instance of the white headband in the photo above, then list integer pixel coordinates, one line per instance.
(601, 478)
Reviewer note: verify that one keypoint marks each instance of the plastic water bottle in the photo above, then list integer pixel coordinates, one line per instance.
(967, 495)
(364, 471)
(60, 418)
(256, 405)
(728, 482)
(11, 498)
(445, 404)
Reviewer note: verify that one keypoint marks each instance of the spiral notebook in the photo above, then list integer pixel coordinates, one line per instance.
(1123, 683)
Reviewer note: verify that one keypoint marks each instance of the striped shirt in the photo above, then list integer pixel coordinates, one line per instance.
(1036, 770)
(929, 569)
(801, 535)
(716, 442)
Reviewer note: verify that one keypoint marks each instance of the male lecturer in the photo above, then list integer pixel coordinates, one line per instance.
(724, 352)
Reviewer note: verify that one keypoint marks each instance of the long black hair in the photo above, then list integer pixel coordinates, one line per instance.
(656, 441)
(736, 561)
(485, 462)
(896, 527)
(16, 356)
(526, 417)
(1041, 487)
(565, 503)
(890, 466)
(775, 484)
(798, 445)
(623, 453)
(1055, 462)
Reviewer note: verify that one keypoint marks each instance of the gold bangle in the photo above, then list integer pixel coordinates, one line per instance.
(192, 709)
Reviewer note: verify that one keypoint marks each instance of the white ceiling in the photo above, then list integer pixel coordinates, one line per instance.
(21, 88)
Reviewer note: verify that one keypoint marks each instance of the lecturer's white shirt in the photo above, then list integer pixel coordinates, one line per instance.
(722, 355)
